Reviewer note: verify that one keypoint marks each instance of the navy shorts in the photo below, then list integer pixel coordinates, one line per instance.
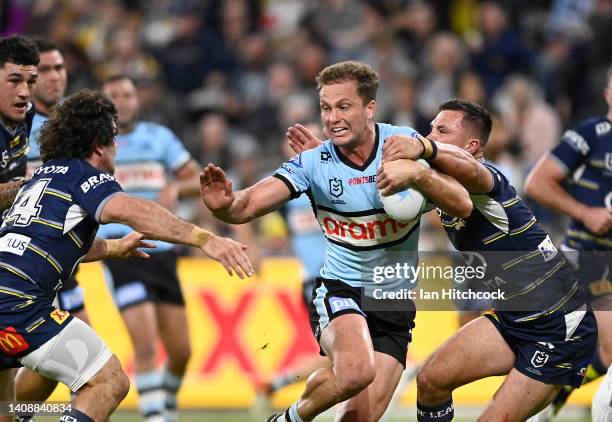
(594, 271)
(28, 319)
(137, 280)
(390, 329)
(555, 349)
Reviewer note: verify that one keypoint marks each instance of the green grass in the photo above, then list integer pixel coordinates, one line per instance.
(207, 416)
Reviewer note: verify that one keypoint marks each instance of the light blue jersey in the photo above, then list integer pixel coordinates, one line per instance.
(306, 238)
(360, 235)
(146, 159)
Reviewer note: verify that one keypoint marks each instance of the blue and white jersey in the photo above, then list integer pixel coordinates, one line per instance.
(360, 235)
(306, 238)
(53, 221)
(34, 160)
(146, 159)
(585, 153)
(14, 147)
(518, 254)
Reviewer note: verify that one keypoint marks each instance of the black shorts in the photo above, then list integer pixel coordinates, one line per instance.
(137, 280)
(390, 329)
(28, 319)
(594, 271)
(70, 296)
(308, 286)
(556, 349)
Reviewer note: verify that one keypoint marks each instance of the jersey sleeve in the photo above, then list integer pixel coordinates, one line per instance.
(93, 190)
(175, 154)
(573, 149)
(497, 180)
(293, 173)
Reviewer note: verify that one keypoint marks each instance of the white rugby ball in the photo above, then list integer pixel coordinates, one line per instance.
(406, 205)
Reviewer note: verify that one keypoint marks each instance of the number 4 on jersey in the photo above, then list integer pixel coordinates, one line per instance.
(27, 205)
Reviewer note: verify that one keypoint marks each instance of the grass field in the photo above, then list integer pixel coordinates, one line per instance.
(572, 415)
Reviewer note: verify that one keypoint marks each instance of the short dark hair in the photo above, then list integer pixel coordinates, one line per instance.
(80, 122)
(18, 49)
(474, 115)
(366, 78)
(44, 45)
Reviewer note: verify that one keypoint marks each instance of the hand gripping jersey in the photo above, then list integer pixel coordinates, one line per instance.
(146, 157)
(585, 153)
(14, 148)
(53, 222)
(520, 258)
(360, 235)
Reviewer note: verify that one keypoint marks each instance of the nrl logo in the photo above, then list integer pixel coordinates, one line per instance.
(539, 359)
(335, 187)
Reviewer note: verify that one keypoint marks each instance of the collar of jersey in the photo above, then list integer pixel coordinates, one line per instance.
(367, 162)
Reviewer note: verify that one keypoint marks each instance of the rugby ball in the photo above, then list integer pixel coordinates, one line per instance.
(406, 205)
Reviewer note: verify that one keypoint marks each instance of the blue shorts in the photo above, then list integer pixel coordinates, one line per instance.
(555, 349)
(28, 319)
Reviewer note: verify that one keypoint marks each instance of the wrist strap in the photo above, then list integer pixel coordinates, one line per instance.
(113, 248)
(200, 237)
(430, 149)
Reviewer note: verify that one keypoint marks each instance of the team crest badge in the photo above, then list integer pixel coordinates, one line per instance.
(539, 359)
(335, 187)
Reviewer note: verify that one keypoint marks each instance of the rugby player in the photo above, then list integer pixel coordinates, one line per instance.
(151, 162)
(583, 159)
(50, 228)
(367, 347)
(544, 337)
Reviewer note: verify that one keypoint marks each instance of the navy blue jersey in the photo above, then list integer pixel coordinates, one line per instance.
(585, 154)
(520, 257)
(14, 145)
(53, 221)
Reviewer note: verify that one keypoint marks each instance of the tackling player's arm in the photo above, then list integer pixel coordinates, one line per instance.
(245, 205)
(544, 184)
(450, 159)
(156, 222)
(444, 191)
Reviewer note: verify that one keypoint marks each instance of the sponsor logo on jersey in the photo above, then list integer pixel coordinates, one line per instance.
(335, 187)
(11, 342)
(548, 249)
(14, 243)
(602, 128)
(59, 316)
(576, 141)
(51, 170)
(144, 175)
(362, 180)
(369, 230)
(325, 156)
(338, 304)
(95, 181)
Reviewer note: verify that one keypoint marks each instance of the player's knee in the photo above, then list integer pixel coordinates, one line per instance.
(113, 378)
(354, 377)
(145, 352)
(428, 382)
(181, 355)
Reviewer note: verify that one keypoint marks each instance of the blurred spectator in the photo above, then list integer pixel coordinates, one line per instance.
(404, 111)
(470, 87)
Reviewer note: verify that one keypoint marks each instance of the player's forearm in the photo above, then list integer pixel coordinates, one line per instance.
(8, 191)
(97, 251)
(462, 166)
(551, 194)
(153, 221)
(238, 212)
(444, 191)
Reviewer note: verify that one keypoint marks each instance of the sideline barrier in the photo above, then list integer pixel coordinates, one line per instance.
(245, 330)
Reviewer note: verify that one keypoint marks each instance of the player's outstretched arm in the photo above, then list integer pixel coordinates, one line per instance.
(156, 222)
(125, 247)
(449, 159)
(444, 191)
(544, 184)
(243, 206)
(8, 191)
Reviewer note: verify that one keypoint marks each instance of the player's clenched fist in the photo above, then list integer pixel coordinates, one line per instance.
(230, 254)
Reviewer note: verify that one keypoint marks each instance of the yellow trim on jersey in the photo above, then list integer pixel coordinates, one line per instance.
(75, 238)
(67, 198)
(520, 259)
(588, 184)
(47, 223)
(30, 329)
(524, 228)
(511, 202)
(13, 293)
(531, 286)
(45, 255)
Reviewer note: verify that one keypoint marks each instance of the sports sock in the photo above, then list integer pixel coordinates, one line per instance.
(171, 385)
(293, 414)
(281, 381)
(601, 407)
(151, 395)
(443, 412)
(75, 416)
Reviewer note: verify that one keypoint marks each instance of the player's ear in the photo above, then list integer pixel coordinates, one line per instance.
(473, 145)
(97, 148)
(371, 109)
